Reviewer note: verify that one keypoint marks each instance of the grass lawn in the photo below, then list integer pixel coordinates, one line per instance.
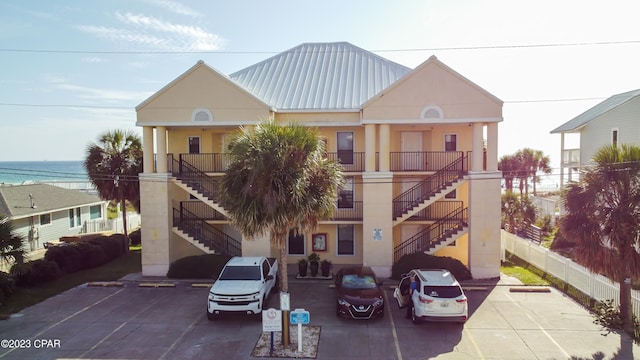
(27, 296)
(521, 272)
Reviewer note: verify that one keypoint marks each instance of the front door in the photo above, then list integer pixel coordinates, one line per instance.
(412, 151)
(194, 144)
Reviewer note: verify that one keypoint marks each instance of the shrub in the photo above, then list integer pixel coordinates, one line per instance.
(86, 254)
(426, 261)
(7, 286)
(607, 315)
(135, 238)
(198, 267)
(37, 272)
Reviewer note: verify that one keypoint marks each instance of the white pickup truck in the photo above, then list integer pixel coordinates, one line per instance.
(243, 286)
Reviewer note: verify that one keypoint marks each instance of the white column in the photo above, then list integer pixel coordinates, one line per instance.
(492, 146)
(562, 162)
(370, 147)
(161, 133)
(147, 149)
(385, 140)
(476, 153)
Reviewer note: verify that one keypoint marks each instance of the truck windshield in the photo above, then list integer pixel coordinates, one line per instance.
(241, 273)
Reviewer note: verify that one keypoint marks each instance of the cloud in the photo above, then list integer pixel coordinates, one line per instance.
(175, 7)
(105, 95)
(153, 32)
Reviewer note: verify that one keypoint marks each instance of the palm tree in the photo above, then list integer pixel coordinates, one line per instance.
(603, 219)
(279, 179)
(11, 246)
(508, 164)
(540, 163)
(113, 166)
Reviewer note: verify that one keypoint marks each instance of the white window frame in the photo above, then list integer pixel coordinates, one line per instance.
(353, 240)
(48, 223)
(199, 144)
(444, 141)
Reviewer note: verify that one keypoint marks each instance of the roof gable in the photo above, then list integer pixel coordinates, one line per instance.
(433, 84)
(320, 76)
(199, 66)
(596, 111)
(15, 200)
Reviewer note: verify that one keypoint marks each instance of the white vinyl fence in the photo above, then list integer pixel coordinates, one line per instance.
(115, 225)
(595, 286)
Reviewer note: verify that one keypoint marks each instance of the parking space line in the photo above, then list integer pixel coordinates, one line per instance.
(393, 327)
(474, 343)
(566, 355)
(36, 336)
(184, 333)
(103, 339)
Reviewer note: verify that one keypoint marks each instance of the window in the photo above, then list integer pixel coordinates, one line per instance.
(345, 199)
(295, 243)
(200, 115)
(614, 137)
(194, 145)
(345, 147)
(95, 212)
(346, 239)
(74, 218)
(450, 142)
(45, 219)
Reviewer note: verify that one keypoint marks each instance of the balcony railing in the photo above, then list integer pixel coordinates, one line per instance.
(353, 213)
(209, 163)
(570, 157)
(422, 160)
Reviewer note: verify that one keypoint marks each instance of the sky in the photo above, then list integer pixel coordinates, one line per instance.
(71, 70)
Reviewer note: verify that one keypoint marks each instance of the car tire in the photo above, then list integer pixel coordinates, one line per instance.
(337, 310)
(211, 316)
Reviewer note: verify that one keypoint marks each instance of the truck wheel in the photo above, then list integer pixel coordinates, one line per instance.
(211, 316)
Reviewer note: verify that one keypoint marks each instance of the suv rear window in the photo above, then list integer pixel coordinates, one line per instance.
(443, 291)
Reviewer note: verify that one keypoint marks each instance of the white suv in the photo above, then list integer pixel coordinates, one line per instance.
(439, 296)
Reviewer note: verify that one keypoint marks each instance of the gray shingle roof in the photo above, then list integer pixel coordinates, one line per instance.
(320, 76)
(15, 201)
(603, 107)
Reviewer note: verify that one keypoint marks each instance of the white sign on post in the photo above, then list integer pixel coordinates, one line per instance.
(271, 320)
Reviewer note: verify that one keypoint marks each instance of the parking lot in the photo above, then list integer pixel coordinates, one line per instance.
(138, 320)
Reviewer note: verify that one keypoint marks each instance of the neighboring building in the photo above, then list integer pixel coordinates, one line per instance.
(43, 213)
(616, 120)
(411, 142)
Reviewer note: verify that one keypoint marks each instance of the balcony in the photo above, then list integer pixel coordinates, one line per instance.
(571, 157)
(416, 161)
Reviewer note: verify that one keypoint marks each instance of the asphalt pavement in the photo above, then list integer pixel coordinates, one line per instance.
(158, 318)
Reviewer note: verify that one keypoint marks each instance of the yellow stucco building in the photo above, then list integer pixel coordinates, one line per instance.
(418, 149)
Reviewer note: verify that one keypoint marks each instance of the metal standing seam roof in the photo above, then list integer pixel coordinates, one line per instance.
(15, 201)
(320, 76)
(601, 108)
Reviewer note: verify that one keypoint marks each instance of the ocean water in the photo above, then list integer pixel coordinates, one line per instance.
(19, 172)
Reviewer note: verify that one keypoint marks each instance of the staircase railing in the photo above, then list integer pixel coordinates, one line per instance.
(430, 186)
(195, 178)
(433, 235)
(205, 233)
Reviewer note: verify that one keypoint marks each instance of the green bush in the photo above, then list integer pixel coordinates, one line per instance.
(198, 267)
(7, 286)
(135, 238)
(607, 315)
(37, 272)
(86, 254)
(426, 261)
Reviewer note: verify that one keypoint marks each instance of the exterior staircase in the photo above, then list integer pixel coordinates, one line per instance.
(429, 190)
(436, 236)
(204, 235)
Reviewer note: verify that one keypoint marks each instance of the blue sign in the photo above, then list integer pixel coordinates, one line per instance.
(299, 316)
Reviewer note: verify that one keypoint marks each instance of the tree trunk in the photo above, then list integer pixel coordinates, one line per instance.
(124, 225)
(284, 288)
(626, 313)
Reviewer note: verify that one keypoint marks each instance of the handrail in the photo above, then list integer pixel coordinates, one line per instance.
(205, 233)
(433, 235)
(197, 179)
(430, 186)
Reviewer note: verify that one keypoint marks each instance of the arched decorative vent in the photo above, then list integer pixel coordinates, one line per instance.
(201, 115)
(432, 112)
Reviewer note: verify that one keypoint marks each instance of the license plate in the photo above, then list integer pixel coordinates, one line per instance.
(444, 304)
